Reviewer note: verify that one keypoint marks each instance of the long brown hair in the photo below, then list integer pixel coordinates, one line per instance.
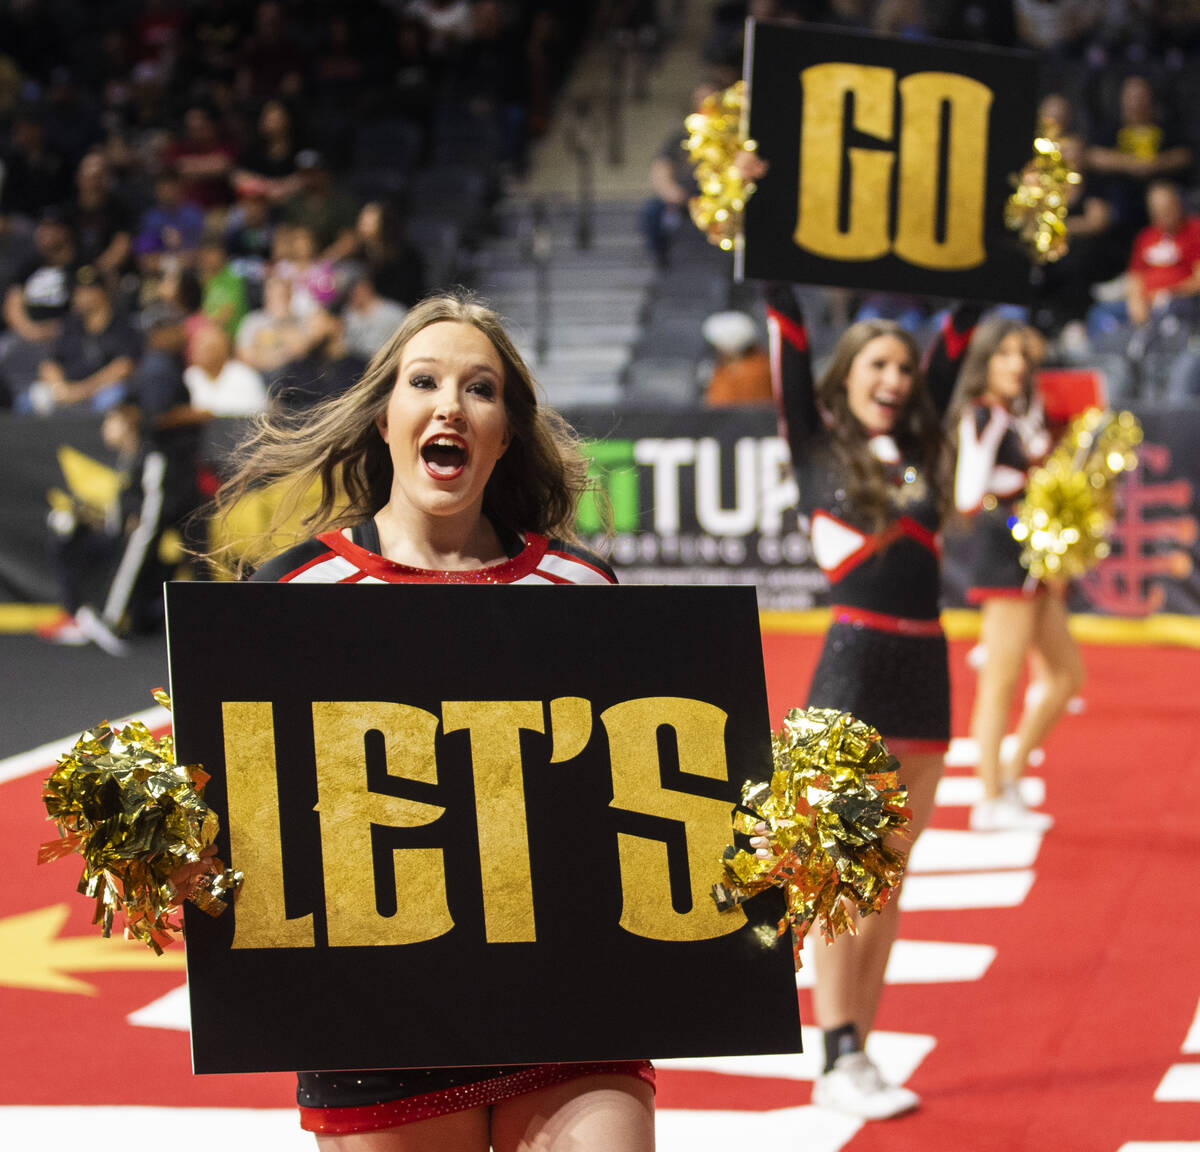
(336, 448)
(973, 376)
(918, 433)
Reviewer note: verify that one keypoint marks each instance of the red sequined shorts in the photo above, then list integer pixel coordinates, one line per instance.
(400, 1100)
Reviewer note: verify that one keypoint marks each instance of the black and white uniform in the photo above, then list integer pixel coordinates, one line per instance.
(366, 1100)
(995, 453)
(884, 659)
(158, 493)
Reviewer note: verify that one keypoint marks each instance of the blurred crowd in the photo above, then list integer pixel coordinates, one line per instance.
(287, 178)
(281, 179)
(1120, 85)
(211, 206)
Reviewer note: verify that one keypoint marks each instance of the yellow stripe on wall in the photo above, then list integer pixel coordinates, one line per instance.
(27, 617)
(963, 624)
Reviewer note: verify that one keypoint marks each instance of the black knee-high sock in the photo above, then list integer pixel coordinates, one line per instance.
(839, 1041)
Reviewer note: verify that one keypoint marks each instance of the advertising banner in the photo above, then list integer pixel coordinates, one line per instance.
(37, 459)
(703, 498)
(708, 497)
(478, 825)
(890, 162)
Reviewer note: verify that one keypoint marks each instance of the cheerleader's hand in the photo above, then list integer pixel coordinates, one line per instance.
(750, 165)
(187, 877)
(761, 843)
(1031, 427)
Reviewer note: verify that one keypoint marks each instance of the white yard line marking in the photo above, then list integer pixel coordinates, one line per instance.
(1181, 1083)
(44, 759)
(963, 791)
(942, 850)
(947, 891)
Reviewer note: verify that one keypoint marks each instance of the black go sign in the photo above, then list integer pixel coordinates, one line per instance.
(478, 824)
(890, 162)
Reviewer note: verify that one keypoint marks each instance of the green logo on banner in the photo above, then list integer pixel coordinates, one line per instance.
(612, 467)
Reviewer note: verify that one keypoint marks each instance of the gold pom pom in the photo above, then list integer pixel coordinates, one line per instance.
(137, 818)
(715, 140)
(833, 800)
(1064, 519)
(1037, 209)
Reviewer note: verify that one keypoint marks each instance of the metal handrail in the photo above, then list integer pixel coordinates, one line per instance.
(620, 48)
(581, 143)
(541, 247)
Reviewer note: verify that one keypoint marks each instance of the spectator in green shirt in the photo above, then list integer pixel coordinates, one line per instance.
(225, 300)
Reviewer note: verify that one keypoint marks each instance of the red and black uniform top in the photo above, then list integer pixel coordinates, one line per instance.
(334, 558)
(878, 577)
(996, 450)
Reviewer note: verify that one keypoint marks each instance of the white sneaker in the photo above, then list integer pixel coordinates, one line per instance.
(1016, 797)
(1007, 814)
(99, 633)
(64, 630)
(854, 1086)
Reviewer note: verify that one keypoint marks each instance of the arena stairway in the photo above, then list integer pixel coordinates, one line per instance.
(565, 262)
(575, 312)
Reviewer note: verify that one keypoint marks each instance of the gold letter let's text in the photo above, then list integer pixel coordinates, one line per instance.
(699, 728)
(495, 728)
(255, 842)
(348, 809)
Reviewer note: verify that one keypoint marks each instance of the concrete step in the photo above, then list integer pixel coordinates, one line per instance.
(587, 358)
(664, 379)
(672, 336)
(582, 391)
(621, 277)
(621, 323)
(563, 257)
(564, 335)
(610, 234)
(517, 211)
(572, 301)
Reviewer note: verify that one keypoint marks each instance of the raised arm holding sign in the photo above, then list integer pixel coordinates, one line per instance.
(889, 167)
(890, 162)
(868, 449)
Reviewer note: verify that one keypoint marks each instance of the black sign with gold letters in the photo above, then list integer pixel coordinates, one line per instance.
(890, 162)
(478, 825)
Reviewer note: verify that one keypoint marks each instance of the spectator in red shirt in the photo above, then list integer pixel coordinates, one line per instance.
(1163, 277)
(1165, 264)
(157, 30)
(204, 161)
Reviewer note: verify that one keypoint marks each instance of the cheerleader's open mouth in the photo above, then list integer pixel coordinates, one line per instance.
(884, 412)
(444, 456)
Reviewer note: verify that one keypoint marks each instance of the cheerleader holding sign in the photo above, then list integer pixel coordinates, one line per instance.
(440, 466)
(869, 452)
